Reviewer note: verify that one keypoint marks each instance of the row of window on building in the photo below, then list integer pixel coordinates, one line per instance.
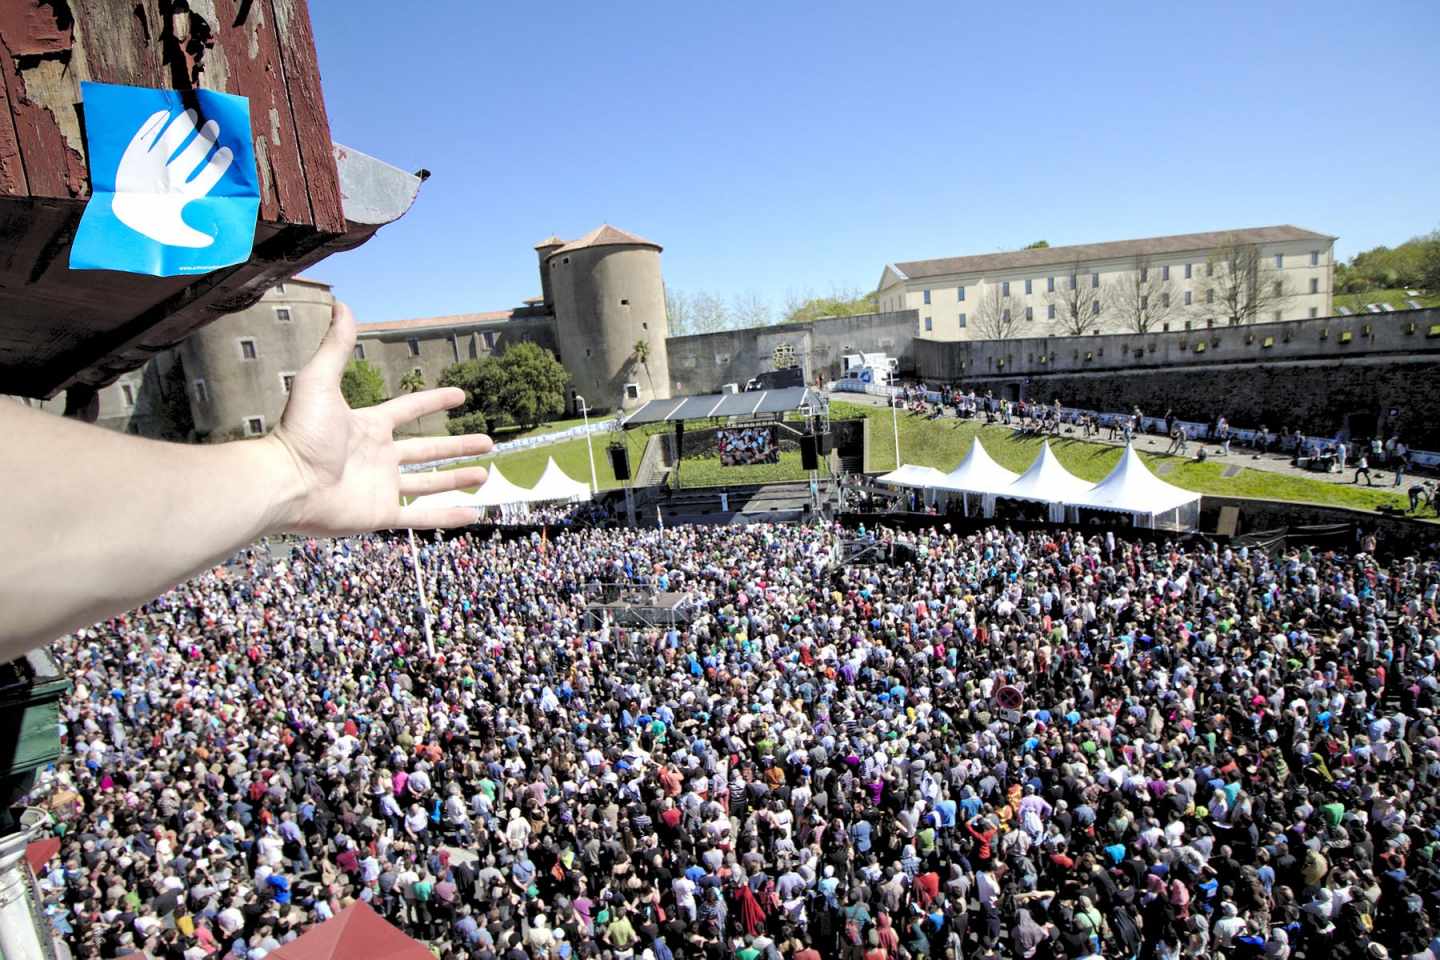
(1095, 308)
(1144, 278)
(412, 345)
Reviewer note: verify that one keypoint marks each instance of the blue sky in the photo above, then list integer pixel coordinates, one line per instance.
(781, 148)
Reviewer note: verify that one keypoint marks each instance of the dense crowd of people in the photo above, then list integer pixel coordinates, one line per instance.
(1039, 745)
(547, 514)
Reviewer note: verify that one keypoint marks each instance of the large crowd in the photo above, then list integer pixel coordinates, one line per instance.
(1013, 745)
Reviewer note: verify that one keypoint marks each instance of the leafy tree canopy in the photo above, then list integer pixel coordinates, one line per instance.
(1415, 263)
(525, 385)
(362, 384)
(1038, 245)
(839, 304)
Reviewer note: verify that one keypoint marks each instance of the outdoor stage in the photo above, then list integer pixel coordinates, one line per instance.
(637, 608)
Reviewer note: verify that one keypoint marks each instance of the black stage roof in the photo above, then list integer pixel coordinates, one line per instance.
(711, 405)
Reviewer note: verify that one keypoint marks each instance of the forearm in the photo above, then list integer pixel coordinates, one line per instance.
(98, 522)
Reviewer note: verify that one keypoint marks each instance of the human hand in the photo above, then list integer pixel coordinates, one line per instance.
(151, 189)
(342, 466)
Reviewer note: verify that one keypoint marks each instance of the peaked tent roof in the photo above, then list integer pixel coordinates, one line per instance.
(498, 491)
(1132, 488)
(607, 236)
(910, 475)
(978, 473)
(1047, 481)
(556, 484)
(550, 241)
(450, 498)
(355, 933)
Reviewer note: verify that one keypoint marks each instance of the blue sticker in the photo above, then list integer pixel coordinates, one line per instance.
(173, 187)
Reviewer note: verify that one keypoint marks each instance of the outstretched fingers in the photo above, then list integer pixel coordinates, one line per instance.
(413, 406)
(425, 449)
(437, 518)
(335, 350)
(421, 484)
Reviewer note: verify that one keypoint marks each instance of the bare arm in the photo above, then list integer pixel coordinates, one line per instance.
(94, 523)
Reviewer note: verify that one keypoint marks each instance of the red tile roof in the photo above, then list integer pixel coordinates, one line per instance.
(1180, 243)
(421, 323)
(607, 236)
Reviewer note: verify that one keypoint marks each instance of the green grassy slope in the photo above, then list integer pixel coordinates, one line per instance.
(942, 444)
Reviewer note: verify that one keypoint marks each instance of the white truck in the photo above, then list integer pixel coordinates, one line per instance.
(880, 367)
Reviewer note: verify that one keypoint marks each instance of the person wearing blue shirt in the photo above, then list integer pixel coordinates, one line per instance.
(279, 886)
(860, 832)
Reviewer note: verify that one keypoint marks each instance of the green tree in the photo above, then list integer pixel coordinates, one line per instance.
(1038, 245)
(413, 382)
(1430, 264)
(465, 423)
(841, 303)
(525, 385)
(1386, 267)
(532, 388)
(362, 384)
(480, 379)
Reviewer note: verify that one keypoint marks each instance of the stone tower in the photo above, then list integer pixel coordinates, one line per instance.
(239, 368)
(608, 298)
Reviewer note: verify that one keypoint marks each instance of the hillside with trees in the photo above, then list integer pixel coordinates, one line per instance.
(705, 312)
(1388, 274)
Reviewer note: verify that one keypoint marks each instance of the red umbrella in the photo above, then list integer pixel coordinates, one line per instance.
(355, 933)
(39, 853)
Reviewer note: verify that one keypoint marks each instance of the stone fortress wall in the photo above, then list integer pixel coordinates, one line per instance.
(1364, 374)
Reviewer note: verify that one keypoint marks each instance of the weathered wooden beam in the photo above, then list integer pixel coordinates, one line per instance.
(260, 49)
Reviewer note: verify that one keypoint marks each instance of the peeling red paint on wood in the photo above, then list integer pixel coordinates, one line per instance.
(12, 167)
(52, 167)
(36, 27)
(120, 41)
(252, 60)
(312, 125)
(260, 49)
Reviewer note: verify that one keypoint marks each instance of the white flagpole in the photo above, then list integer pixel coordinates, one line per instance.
(420, 589)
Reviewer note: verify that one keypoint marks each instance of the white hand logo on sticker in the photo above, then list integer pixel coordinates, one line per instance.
(154, 184)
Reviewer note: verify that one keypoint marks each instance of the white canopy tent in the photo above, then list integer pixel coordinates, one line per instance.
(1131, 488)
(450, 498)
(498, 491)
(909, 475)
(977, 475)
(555, 485)
(1046, 481)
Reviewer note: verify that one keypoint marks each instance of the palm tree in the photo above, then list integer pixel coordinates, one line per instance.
(642, 357)
(413, 381)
